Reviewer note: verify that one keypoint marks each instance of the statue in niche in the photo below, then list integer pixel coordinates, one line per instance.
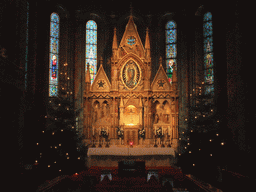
(102, 113)
(156, 118)
(104, 109)
(95, 115)
(130, 75)
(173, 106)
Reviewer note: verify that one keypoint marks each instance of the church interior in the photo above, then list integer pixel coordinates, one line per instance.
(153, 89)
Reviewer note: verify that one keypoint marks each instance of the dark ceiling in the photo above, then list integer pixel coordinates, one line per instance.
(120, 7)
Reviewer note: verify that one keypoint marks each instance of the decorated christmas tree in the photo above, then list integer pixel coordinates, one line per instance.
(60, 149)
(204, 144)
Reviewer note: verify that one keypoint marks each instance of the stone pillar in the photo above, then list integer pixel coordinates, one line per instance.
(149, 120)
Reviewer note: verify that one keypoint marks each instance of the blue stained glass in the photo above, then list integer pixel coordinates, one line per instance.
(53, 90)
(208, 45)
(55, 18)
(208, 53)
(131, 41)
(207, 16)
(171, 51)
(208, 60)
(171, 48)
(171, 65)
(208, 28)
(91, 47)
(54, 45)
(170, 25)
(209, 75)
(54, 30)
(171, 36)
(53, 56)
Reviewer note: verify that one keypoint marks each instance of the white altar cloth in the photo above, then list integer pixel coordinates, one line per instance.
(125, 151)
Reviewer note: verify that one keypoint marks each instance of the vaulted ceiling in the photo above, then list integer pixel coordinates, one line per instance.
(120, 7)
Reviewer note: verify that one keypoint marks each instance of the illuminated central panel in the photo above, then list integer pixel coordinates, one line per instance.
(131, 116)
(131, 74)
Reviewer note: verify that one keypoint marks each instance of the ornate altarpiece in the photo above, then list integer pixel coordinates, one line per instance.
(130, 101)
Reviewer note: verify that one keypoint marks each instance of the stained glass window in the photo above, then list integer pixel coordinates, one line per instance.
(171, 48)
(208, 53)
(91, 47)
(54, 55)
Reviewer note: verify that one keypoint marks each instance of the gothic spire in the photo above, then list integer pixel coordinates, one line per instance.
(101, 60)
(147, 45)
(114, 45)
(147, 42)
(160, 61)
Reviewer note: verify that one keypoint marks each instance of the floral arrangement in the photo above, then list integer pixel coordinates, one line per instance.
(104, 133)
(142, 133)
(120, 132)
(159, 132)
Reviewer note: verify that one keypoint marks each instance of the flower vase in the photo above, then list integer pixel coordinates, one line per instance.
(120, 140)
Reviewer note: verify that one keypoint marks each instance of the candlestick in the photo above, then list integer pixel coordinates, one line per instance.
(93, 130)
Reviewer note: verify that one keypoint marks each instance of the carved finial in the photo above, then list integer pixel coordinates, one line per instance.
(101, 60)
(160, 60)
(114, 45)
(147, 42)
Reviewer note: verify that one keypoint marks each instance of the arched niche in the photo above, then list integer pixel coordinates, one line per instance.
(161, 112)
(96, 111)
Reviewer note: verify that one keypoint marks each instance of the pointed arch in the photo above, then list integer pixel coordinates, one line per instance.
(54, 54)
(171, 48)
(208, 53)
(91, 47)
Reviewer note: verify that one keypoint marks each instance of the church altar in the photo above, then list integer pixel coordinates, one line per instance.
(128, 151)
(132, 105)
(109, 157)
